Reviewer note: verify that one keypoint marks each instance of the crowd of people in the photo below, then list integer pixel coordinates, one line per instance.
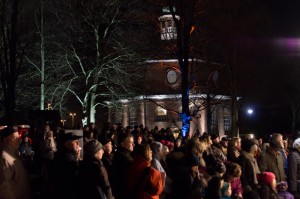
(137, 163)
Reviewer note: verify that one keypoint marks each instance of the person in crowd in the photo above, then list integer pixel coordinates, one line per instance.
(66, 164)
(93, 180)
(26, 151)
(139, 139)
(122, 160)
(282, 188)
(232, 176)
(249, 165)
(108, 154)
(147, 181)
(14, 178)
(212, 152)
(271, 159)
(49, 146)
(234, 148)
(177, 145)
(95, 130)
(86, 130)
(224, 145)
(267, 186)
(215, 138)
(216, 187)
(157, 150)
(89, 136)
(294, 169)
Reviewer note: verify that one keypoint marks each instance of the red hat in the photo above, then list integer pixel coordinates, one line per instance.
(266, 177)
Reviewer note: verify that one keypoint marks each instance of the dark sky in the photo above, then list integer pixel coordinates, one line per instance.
(273, 70)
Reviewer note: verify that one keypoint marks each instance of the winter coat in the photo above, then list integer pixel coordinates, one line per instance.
(151, 184)
(247, 177)
(270, 162)
(14, 178)
(65, 175)
(121, 162)
(93, 180)
(294, 170)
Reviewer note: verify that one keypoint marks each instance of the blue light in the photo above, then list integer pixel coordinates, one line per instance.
(185, 124)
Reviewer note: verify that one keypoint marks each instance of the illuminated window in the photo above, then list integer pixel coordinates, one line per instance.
(160, 115)
(132, 117)
(227, 120)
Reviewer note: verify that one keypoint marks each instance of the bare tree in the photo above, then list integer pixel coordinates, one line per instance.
(94, 44)
(13, 17)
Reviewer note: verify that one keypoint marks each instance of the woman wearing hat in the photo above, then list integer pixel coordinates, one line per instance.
(92, 175)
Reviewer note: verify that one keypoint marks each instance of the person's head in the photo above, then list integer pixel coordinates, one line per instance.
(93, 149)
(144, 151)
(10, 137)
(224, 141)
(276, 142)
(250, 146)
(71, 141)
(215, 138)
(107, 145)
(126, 141)
(233, 170)
(267, 178)
(206, 138)
(236, 142)
(49, 134)
(296, 144)
(195, 146)
(139, 139)
(178, 142)
(92, 125)
(47, 128)
(157, 148)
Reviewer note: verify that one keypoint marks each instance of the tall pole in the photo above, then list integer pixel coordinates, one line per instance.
(72, 116)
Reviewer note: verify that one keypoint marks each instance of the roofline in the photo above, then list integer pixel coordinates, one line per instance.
(171, 96)
(176, 60)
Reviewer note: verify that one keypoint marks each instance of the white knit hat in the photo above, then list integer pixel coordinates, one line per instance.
(296, 143)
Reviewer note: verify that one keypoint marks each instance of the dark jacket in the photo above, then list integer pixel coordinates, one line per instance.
(121, 162)
(294, 170)
(65, 175)
(247, 177)
(93, 180)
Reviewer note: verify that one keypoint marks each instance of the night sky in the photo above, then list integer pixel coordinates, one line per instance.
(274, 68)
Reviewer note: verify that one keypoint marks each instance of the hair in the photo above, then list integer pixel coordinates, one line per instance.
(141, 150)
(233, 169)
(194, 146)
(123, 137)
(233, 141)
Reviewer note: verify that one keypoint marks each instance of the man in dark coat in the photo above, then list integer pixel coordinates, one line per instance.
(66, 166)
(121, 162)
(248, 165)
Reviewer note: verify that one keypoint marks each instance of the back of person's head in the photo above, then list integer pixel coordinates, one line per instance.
(233, 169)
(275, 142)
(143, 150)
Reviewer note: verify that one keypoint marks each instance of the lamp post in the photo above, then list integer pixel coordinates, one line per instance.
(72, 116)
(63, 122)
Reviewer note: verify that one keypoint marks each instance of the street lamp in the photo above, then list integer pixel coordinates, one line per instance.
(250, 111)
(72, 115)
(63, 122)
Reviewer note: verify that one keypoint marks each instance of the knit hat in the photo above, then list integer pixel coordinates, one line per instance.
(247, 144)
(296, 143)
(104, 140)
(266, 177)
(91, 148)
(7, 131)
(193, 160)
(156, 147)
(214, 136)
(220, 167)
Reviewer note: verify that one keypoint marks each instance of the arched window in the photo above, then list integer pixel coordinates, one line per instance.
(161, 115)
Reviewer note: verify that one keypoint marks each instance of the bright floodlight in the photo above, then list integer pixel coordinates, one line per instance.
(250, 111)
